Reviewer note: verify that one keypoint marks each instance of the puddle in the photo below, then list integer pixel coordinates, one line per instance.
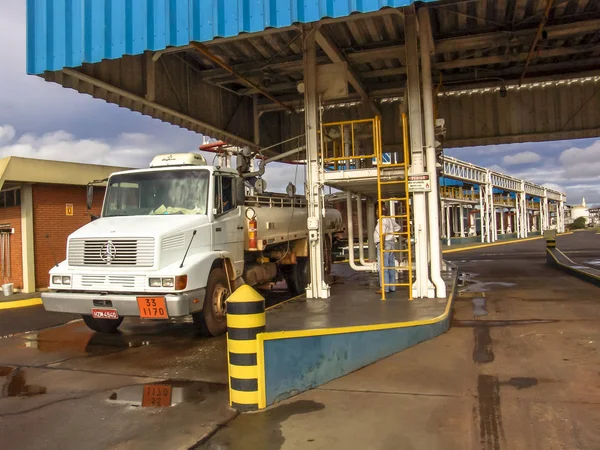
(13, 383)
(593, 262)
(262, 430)
(522, 382)
(482, 350)
(479, 307)
(491, 430)
(75, 339)
(467, 281)
(165, 393)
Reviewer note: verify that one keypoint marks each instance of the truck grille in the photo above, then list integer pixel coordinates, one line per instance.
(110, 282)
(113, 252)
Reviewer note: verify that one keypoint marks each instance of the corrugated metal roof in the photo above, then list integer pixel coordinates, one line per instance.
(67, 33)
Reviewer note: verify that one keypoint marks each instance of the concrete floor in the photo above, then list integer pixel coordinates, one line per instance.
(519, 369)
(524, 375)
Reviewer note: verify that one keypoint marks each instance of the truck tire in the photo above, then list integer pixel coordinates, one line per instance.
(102, 325)
(297, 276)
(212, 320)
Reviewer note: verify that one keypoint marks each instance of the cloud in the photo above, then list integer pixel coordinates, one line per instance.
(521, 158)
(125, 150)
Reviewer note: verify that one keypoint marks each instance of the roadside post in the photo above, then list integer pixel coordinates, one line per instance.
(245, 320)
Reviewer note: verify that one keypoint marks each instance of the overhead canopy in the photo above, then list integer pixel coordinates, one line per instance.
(143, 55)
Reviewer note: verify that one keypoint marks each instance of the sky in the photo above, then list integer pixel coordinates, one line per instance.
(44, 120)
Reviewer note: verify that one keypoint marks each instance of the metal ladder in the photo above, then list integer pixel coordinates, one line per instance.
(391, 196)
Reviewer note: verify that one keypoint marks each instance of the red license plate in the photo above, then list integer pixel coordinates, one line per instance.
(105, 314)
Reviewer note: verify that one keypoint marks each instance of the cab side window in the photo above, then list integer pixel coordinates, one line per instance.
(224, 198)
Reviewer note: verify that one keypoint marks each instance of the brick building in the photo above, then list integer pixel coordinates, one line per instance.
(41, 203)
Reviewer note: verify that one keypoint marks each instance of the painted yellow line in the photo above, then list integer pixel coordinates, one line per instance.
(20, 303)
(274, 335)
(493, 244)
(260, 368)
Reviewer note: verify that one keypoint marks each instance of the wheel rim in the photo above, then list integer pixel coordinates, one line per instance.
(219, 300)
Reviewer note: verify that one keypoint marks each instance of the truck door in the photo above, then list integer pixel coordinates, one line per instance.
(228, 228)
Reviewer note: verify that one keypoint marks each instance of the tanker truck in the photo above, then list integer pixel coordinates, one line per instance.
(176, 239)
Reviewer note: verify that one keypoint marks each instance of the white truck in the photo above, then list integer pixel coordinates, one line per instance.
(175, 240)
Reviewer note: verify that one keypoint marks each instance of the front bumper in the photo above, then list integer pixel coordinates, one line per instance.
(178, 305)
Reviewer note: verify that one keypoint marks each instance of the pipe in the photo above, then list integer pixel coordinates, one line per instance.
(371, 229)
(373, 266)
(361, 250)
(538, 35)
(433, 206)
(218, 61)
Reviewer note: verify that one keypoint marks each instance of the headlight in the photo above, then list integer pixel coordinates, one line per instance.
(56, 279)
(168, 282)
(66, 280)
(155, 282)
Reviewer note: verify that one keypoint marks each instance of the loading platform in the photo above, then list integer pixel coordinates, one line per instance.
(308, 342)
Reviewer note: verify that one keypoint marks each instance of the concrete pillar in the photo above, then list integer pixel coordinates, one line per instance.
(371, 229)
(27, 245)
(435, 250)
(481, 213)
(455, 220)
(413, 93)
(502, 221)
(462, 220)
(448, 228)
(317, 287)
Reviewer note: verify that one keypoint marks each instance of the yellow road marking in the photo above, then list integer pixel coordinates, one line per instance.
(20, 303)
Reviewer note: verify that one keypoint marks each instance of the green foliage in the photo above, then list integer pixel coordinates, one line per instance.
(578, 224)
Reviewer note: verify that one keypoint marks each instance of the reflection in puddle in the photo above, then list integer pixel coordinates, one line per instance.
(593, 262)
(75, 339)
(165, 393)
(14, 384)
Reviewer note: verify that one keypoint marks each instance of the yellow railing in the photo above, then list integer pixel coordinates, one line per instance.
(502, 200)
(458, 193)
(352, 144)
(405, 214)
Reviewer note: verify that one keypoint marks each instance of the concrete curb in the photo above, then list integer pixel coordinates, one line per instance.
(20, 303)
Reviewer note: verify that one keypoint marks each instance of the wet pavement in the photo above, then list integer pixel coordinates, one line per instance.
(153, 385)
(519, 369)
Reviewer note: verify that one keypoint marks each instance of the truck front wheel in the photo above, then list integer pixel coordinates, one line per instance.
(297, 276)
(212, 320)
(102, 325)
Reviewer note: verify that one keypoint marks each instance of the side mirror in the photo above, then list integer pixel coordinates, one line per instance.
(90, 196)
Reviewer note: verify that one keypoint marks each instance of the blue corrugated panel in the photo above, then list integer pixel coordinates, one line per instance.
(67, 33)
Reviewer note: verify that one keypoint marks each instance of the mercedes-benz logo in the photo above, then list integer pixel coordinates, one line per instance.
(108, 252)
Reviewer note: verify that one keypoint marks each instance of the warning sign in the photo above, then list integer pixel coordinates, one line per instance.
(419, 183)
(69, 209)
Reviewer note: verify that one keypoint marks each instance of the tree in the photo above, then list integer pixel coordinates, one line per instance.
(578, 224)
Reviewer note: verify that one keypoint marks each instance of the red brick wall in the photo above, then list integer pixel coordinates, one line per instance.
(49, 217)
(12, 216)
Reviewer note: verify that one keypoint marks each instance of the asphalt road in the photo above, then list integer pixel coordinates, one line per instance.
(524, 375)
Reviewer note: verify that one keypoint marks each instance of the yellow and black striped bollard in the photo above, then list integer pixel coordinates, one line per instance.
(245, 319)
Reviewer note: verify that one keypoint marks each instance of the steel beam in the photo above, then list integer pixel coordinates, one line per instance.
(337, 56)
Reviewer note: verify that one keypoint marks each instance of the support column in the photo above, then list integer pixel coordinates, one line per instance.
(502, 221)
(413, 92)
(317, 287)
(462, 221)
(371, 229)
(448, 229)
(455, 220)
(27, 244)
(481, 213)
(435, 249)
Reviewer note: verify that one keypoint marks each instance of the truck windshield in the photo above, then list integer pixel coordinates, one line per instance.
(157, 193)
